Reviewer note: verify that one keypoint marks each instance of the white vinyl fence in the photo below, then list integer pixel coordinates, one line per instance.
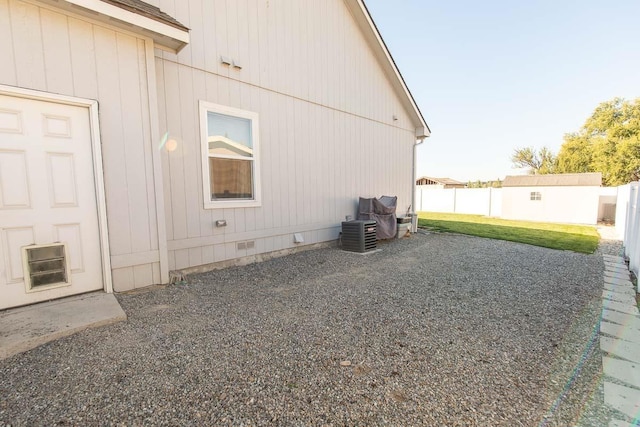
(474, 201)
(563, 204)
(488, 201)
(631, 227)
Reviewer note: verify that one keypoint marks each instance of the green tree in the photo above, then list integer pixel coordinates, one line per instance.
(619, 160)
(576, 155)
(540, 162)
(608, 142)
(615, 119)
(485, 184)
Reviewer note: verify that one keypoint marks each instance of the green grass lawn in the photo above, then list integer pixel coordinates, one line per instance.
(577, 238)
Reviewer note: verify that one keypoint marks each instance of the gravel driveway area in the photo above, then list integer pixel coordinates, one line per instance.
(436, 329)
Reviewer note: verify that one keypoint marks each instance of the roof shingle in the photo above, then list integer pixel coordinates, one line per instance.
(593, 179)
(145, 9)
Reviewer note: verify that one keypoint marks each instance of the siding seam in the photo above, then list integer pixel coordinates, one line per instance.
(196, 242)
(288, 95)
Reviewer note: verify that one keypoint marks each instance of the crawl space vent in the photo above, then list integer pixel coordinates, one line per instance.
(359, 236)
(45, 266)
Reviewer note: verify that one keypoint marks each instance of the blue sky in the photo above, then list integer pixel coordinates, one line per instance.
(492, 76)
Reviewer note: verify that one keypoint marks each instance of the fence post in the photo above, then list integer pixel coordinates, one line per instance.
(455, 196)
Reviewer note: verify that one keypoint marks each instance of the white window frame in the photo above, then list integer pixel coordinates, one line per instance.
(206, 107)
(535, 196)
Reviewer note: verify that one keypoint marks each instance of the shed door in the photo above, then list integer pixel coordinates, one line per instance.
(49, 235)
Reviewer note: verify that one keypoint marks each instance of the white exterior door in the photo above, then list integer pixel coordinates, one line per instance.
(47, 198)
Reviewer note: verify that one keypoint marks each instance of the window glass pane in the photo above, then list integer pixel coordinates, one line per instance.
(230, 178)
(229, 135)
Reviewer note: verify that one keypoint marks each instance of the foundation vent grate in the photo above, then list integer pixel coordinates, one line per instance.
(45, 266)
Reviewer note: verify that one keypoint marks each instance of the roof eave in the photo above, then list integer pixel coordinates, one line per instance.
(372, 35)
(168, 36)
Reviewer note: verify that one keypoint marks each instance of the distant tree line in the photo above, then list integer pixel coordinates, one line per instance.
(485, 184)
(608, 142)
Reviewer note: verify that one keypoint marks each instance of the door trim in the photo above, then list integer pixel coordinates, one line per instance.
(96, 149)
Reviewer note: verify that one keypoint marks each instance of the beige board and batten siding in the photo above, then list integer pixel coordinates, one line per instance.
(327, 130)
(46, 49)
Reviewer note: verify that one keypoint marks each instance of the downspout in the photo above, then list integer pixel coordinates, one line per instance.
(414, 213)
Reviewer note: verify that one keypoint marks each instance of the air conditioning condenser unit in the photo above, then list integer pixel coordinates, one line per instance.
(359, 236)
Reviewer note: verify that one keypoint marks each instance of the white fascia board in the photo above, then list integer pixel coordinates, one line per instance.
(179, 37)
(422, 132)
(371, 33)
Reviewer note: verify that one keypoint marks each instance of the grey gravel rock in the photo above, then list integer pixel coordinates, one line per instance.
(438, 329)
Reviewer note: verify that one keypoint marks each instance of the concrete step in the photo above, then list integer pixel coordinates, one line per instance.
(620, 348)
(620, 320)
(627, 320)
(617, 275)
(24, 328)
(623, 399)
(622, 297)
(623, 290)
(618, 282)
(621, 307)
(618, 423)
(620, 331)
(619, 270)
(622, 370)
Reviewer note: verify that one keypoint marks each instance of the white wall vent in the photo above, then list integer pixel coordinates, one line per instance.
(245, 245)
(45, 266)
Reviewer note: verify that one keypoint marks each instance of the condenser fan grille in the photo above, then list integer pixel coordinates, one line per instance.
(359, 236)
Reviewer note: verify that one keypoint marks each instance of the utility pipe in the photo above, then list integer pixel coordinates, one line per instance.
(414, 217)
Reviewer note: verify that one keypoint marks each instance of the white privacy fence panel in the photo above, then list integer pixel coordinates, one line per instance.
(632, 228)
(488, 201)
(495, 205)
(622, 210)
(473, 201)
(435, 200)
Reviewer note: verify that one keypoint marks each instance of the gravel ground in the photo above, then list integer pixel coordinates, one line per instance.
(437, 329)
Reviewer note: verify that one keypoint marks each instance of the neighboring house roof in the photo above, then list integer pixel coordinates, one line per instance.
(373, 37)
(554, 180)
(145, 9)
(443, 181)
(221, 145)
